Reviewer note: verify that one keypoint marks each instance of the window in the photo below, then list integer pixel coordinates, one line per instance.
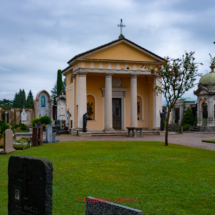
(43, 101)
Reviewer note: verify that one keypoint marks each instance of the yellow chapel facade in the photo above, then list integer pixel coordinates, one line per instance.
(113, 84)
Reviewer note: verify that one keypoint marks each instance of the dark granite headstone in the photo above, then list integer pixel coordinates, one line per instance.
(99, 207)
(30, 186)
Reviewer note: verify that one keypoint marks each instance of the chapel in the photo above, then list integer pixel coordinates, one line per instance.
(112, 84)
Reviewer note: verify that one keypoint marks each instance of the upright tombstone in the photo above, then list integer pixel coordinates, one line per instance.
(37, 136)
(49, 133)
(29, 186)
(8, 142)
(43, 105)
(98, 206)
(23, 117)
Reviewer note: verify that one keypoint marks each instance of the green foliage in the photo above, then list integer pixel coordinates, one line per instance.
(30, 100)
(3, 126)
(54, 91)
(195, 120)
(6, 103)
(45, 120)
(19, 99)
(59, 82)
(188, 117)
(185, 127)
(35, 120)
(22, 127)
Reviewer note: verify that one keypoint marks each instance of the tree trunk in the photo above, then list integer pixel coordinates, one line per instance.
(167, 127)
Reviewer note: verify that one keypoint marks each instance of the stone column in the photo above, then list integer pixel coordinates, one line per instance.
(210, 111)
(108, 103)
(181, 115)
(173, 116)
(157, 106)
(82, 98)
(133, 103)
(74, 103)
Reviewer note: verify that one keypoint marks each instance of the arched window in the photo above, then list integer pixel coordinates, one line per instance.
(139, 108)
(43, 101)
(91, 107)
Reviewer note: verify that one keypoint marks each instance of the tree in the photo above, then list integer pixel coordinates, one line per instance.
(19, 99)
(59, 82)
(174, 78)
(30, 100)
(188, 117)
(54, 91)
(6, 103)
(64, 85)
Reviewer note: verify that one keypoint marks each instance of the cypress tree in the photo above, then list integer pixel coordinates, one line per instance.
(30, 100)
(188, 117)
(59, 82)
(54, 91)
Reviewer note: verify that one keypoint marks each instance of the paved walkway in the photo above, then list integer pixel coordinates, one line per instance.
(187, 139)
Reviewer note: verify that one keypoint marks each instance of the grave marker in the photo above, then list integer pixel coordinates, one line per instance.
(107, 208)
(30, 186)
(8, 142)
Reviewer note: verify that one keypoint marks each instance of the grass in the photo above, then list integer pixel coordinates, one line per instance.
(212, 141)
(165, 180)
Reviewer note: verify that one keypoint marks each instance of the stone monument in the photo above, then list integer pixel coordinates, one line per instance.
(162, 119)
(29, 185)
(99, 207)
(23, 116)
(43, 105)
(37, 136)
(8, 142)
(50, 135)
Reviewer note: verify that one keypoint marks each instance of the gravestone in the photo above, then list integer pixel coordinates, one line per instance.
(8, 142)
(23, 117)
(50, 136)
(29, 186)
(99, 207)
(58, 122)
(37, 136)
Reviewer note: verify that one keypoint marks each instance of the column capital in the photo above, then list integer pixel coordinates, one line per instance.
(82, 74)
(109, 74)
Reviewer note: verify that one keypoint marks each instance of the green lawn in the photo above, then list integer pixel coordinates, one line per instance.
(165, 180)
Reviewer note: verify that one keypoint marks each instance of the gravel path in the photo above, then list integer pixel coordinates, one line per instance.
(186, 139)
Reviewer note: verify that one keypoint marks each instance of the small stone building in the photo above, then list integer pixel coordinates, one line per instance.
(206, 100)
(177, 113)
(43, 105)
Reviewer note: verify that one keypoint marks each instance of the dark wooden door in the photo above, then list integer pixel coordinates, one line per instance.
(116, 103)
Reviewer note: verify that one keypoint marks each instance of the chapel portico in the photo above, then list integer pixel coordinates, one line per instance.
(113, 82)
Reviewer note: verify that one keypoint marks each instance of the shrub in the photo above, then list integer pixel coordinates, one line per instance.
(185, 127)
(3, 126)
(35, 120)
(45, 120)
(20, 126)
(188, 117)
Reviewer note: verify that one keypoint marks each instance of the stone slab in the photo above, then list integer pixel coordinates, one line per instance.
(29, 186)
(8, 142)
(108, 208)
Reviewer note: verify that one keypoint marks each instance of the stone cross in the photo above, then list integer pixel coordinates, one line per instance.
(99, 207)
(29, 186)
(121, 26)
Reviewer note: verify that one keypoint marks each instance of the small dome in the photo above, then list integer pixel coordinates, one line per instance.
(210, 77)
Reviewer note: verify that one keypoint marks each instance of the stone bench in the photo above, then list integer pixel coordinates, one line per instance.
(135, 130)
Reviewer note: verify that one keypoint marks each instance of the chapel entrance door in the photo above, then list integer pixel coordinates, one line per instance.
(116, 107)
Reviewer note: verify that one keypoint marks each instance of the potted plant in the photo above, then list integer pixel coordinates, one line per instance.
(212, 64)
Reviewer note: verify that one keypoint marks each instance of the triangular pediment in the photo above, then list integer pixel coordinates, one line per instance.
(121, 49)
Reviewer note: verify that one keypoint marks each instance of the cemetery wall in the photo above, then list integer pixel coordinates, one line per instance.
(14, 115)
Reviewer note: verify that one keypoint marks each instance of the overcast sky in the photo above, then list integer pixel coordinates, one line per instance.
(38, 37)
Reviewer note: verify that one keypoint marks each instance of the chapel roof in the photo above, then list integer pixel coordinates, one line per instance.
(103, 46)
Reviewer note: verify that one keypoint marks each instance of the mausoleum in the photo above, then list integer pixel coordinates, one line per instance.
(206, 100)
(113, 85)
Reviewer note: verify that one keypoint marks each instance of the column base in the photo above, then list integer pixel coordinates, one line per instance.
(108, 130)
(156, 129)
